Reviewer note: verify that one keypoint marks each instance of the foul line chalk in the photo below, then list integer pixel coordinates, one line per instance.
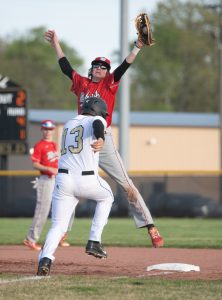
(24, 279)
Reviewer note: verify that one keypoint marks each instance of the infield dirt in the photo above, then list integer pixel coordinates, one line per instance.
(122, 261)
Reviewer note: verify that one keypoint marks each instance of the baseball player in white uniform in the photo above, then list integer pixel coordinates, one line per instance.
(78, 178)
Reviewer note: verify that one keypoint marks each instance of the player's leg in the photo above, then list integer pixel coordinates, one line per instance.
(63, 242)
(42, 209)
(111, 162)
(62, 209)
(104, 200)
(101, 193)
(63, 205)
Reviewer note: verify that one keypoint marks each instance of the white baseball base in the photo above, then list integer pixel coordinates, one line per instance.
(174, 267)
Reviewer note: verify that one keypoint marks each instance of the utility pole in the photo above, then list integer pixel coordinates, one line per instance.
(220, 77)
(124, 94)
(218, 10)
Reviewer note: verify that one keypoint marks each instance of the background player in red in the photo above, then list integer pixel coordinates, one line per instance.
(101, 83)
(45, 159)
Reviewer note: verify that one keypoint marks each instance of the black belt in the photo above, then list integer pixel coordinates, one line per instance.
(83, 172)
(63, 171)
(87, 173)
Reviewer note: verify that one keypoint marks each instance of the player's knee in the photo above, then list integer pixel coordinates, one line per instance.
(132, 193)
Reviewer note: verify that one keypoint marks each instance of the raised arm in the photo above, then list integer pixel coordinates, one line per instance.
(52, 38)
(120, 70)
(64, 64)
(132, 55)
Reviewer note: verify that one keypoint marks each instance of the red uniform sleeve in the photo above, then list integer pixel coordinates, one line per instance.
(36, 156)
(113, 86)
(77, 83)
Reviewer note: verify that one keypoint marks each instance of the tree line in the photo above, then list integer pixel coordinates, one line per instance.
(178, 73)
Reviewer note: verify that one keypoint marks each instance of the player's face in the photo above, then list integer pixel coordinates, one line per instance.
(98, 72)
(47, 134)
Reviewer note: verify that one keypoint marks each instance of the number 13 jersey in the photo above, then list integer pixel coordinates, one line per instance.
(77, 154)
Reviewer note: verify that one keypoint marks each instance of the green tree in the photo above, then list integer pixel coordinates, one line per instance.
(31, 62)
(178, 73)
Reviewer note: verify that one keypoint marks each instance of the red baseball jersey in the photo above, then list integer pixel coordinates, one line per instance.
(106, 89)
(46, 154)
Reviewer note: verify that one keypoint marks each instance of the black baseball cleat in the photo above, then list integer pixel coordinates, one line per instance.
(95, 249)
(44, 266)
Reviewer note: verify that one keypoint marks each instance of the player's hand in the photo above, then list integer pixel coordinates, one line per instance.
(139, 44)
(98, 145)
(53, 171)
(51, 37)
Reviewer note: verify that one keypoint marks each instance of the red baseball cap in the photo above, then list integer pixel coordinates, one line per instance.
(102, 60)
(48, 124)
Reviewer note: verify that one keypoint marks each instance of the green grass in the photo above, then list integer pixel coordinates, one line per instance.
(90, 287)
(179, 233)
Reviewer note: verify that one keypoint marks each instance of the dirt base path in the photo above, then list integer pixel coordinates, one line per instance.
(130, 262)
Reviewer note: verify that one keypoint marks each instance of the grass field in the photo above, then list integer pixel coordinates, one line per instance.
(88, 287)
(189, 233)
(179, 233)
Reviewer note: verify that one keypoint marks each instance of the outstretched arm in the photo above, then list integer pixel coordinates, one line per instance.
(65, 66)
(119, 71)
(52, 38)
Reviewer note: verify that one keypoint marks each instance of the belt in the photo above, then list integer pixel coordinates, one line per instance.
(63, 171)
(83, 172)
(87, 173)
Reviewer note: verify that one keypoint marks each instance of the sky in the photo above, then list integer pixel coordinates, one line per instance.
(92, 27)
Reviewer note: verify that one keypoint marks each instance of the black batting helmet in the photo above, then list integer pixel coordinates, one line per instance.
(95, 107)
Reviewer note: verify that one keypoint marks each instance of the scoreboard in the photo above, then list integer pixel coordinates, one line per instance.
(13, 121)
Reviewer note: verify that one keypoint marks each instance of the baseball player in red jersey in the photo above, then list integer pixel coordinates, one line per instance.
(78, 178)
(45, 159)
(102, 83)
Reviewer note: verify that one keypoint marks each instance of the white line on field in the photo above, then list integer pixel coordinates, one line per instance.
(24, 279)
(159, 273)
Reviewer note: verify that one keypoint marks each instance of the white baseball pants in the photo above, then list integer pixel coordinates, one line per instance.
(68, 190)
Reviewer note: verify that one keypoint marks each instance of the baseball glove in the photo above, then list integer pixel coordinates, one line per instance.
(144, 31)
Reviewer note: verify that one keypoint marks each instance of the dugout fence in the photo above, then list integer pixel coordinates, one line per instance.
(167, 194)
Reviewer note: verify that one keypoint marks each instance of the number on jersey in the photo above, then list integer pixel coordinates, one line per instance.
(77, 145)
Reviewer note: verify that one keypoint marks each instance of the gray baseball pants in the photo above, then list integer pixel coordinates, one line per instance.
(111, 163)
(43, 204)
